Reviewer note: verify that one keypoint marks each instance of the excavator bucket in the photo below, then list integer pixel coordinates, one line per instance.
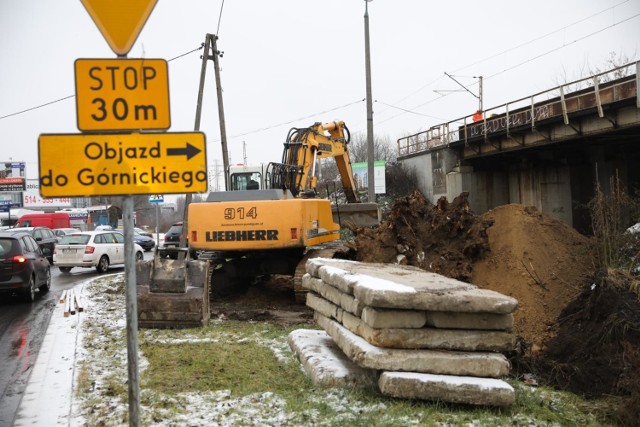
(173, 293)
(169, 274)
(358, 214)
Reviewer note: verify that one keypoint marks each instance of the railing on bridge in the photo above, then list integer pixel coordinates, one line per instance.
(595, 91)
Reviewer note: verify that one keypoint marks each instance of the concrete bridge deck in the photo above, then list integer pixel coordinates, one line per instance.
(547, 150)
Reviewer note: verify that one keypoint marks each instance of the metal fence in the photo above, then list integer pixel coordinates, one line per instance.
(611, 86)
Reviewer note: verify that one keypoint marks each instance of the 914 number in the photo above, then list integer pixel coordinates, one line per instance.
(240, 213)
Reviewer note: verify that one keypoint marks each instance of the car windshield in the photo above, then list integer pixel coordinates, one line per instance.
(6, 246)
(175, 229)
(75, 239)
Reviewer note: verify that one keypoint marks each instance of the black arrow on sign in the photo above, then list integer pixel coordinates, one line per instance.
(189, 151)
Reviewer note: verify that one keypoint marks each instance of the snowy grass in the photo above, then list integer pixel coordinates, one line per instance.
(244, 374)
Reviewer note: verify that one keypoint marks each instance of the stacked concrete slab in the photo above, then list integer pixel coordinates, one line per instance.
(424, 335)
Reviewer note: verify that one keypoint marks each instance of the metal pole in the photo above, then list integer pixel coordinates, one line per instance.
(157, 225)
(370, 153)
(480, 94)
(132, 311)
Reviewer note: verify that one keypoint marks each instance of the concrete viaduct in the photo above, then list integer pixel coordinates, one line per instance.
(548, 150)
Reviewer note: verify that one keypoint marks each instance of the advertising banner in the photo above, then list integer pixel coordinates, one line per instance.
(360, 175)
(12, 176)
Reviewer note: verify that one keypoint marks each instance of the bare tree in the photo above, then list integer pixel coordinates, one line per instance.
(383, 149)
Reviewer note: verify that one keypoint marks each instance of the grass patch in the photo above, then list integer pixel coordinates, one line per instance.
(242, 367)
(251, 359)
(243, 373)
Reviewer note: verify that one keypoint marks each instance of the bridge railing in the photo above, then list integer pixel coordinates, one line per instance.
(590, 92)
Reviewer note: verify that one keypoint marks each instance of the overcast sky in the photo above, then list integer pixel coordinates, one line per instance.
(290, 63)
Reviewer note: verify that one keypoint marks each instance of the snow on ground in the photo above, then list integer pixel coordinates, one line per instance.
(102, 349)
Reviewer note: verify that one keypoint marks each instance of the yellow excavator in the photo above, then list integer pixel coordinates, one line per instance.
(274, 230)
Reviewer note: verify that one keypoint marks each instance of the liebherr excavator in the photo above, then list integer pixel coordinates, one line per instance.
(251, 233)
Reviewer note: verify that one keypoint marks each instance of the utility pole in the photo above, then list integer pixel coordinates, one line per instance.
(210, 52)
(370, 154)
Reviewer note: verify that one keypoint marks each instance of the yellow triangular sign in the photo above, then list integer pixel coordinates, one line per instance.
(119, 21)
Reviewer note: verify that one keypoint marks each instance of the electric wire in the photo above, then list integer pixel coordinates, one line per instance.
(412, 93)
(561, 47)
(219, 19)
(511, 49)
(295, 120)
(73, 96)
(36, 107)
(516, 65)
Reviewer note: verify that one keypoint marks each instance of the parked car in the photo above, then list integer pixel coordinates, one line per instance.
(172, 241)
(141, 231)
(45, 237)
(99, 249)
(146, 242)
(23, 266)
(60, 232)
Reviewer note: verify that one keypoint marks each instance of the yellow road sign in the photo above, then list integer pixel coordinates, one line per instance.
(82, 165)
(119, 21)
(122, 94)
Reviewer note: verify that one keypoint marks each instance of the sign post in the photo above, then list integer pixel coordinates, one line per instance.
(119, 95)
(156, 199)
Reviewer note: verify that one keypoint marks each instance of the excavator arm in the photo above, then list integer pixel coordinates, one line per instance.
(302, 148)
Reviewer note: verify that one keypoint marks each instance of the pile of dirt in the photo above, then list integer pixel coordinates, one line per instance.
(513, 249)
(446, 238)
(599, 332)
(538, 260)
(572, 336)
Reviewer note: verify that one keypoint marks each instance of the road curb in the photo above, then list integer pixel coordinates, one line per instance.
(48, 397)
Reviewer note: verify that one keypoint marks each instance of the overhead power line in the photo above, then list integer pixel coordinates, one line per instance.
(36, 107)
(73, 96)
(431, 83)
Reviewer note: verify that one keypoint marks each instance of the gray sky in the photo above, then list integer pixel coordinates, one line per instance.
(290, 63)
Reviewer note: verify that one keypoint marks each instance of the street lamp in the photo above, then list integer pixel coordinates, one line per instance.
(367, 60)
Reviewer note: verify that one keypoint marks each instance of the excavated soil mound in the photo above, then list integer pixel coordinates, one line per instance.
(538, 260)
(575, 332)
(513, 249)
(445, 238)
(597, 348)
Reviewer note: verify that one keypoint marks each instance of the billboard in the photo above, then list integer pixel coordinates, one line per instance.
(360, 175)
(31, 197)
(12, 176)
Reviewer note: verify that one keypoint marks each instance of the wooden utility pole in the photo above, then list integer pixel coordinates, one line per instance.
(210, 52)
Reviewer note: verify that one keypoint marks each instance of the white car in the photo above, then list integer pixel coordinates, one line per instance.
(99, 249)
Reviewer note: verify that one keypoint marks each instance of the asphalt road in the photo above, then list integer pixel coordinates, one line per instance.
(22, 329)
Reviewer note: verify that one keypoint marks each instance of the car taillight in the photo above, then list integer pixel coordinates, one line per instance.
(194, 236)
(89, 250)
(19, 259)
